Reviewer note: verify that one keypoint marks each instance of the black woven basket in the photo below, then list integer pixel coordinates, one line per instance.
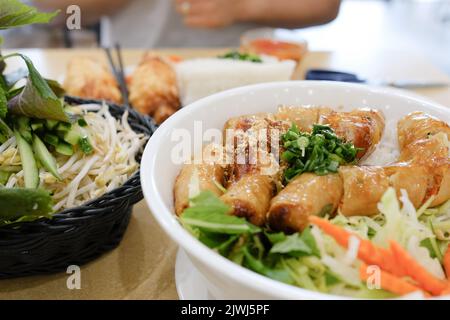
(76, 235)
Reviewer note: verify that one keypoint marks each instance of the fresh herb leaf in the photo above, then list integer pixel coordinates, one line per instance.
(320, 151)
(208, 212)
(236, 55)
(37, 100)
(14, 13)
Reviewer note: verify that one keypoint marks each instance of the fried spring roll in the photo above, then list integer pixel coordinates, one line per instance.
(88, 78)
(363, 188)
(362, 127)
(254, 144)
(303, 117)
(432, 153)
(153, 85)
(194, 178)
(307, 194)
(414, 179)
(250, 197)
(418, 126)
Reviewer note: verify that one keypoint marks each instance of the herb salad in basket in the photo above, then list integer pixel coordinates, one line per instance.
(68, 167)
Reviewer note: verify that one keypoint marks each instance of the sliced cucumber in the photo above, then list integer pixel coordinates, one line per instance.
(30, 170)
(64, 148)
(63, 127)
(37, 126)
(51, 124)
(72, 136)
(23, 126)
(45, 157)
(51, 139)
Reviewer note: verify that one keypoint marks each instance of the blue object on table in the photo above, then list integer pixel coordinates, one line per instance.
(329, 75)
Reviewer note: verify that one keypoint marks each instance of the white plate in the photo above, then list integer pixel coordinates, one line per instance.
(190, 283)
(226, 280)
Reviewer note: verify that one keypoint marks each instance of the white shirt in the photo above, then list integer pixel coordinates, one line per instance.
(155, 23)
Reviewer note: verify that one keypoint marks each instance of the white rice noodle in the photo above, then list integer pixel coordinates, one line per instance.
(387, 150)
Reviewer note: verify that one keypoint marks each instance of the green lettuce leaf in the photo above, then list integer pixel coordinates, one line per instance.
(37, 99)
(14, 13)
(18, 202)
(295, 245)
(209, 213)
(280, 274)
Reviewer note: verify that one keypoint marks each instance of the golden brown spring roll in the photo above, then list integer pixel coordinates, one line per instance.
(363, 188)
(363, 127)
(414, 179)
(432, 153)
(89, 78)
(254, 144)
(250, 197)
(194, 178)
(153, 85)
(303, 117)
(418, 126)
(307, 194)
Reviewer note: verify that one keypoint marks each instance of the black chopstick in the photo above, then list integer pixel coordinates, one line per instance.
(118, 71)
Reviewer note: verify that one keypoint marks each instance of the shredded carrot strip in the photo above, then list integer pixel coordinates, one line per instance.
(413, 269)
(367, 252)
(391, 283)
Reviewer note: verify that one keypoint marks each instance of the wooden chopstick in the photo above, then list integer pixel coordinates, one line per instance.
(118, 72)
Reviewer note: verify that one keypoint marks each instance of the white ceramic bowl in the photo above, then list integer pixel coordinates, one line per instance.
(226, 280)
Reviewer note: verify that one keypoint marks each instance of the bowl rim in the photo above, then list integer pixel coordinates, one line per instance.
(169, 223)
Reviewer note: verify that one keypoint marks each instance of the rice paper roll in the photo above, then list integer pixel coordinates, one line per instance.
(363, 189)
(307, 194)
(250, 197)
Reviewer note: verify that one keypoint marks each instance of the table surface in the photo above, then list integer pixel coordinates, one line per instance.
(143, 265)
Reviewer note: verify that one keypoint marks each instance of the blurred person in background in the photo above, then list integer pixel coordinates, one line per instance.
(188, 23)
